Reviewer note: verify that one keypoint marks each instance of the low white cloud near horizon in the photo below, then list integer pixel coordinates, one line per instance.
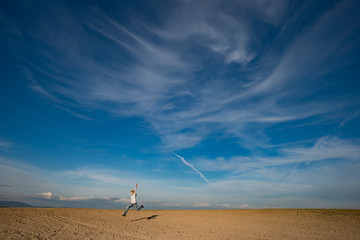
(257, 182)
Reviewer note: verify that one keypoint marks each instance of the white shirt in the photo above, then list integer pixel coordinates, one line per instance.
(133, 196)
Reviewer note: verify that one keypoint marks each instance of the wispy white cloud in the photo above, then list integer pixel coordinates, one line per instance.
(326, 148)
(6, 143)
(218, 28)
(46, 195)
(150, 71)
(102, 187)
(210, 205)
(190, 165)
(95, 182)
(200, 70)
(54, 196)
(354, 116)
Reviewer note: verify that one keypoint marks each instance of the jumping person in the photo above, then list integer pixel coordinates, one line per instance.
(133, 201)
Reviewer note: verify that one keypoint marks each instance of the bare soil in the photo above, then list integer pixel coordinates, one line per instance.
(70, 223)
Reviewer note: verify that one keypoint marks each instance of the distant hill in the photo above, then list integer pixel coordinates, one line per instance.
(13, 204)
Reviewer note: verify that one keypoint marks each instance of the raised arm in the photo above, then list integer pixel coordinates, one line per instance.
(135, 187)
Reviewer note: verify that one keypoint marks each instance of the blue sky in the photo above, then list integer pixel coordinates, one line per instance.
(204, 104)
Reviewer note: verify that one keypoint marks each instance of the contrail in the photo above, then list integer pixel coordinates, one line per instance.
(190, 165)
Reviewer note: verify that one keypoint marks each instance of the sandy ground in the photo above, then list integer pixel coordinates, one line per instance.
(68, 223)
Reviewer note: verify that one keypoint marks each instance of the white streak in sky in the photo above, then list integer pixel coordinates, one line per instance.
(190, 165)
(350, 118)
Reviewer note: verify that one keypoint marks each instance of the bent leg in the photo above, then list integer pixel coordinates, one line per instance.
(127, 208)
(138, 208)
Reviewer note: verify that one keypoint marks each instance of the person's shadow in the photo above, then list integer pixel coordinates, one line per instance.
(148, 218)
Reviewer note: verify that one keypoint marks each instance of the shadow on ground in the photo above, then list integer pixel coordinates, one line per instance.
(145, 218)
